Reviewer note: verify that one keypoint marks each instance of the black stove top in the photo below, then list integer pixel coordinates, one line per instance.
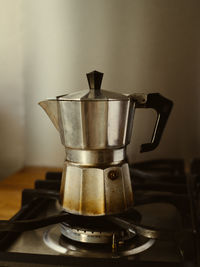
(165, 218)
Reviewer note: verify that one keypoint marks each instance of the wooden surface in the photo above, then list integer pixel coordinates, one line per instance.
(11, 188)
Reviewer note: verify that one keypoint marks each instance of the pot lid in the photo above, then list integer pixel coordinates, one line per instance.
(95, 92)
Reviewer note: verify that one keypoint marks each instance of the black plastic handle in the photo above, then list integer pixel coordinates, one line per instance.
(163, 108)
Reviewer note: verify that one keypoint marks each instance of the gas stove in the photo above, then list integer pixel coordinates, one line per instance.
(161, 229)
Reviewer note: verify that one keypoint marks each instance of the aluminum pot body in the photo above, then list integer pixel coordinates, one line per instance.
(95, 124)
(95, 190)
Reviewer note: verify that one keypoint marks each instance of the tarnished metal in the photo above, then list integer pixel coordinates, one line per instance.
(52, 240)
(92, 124)
(95, 157)
(95, 127)
(90, 191)
(94, 236)
(99, 119)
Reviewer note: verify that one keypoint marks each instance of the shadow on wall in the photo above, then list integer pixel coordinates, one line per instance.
(12, 141)
(11, 89)
(170, 65)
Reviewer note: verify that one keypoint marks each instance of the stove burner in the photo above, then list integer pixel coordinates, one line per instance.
(91, 236)
(166, 199)
(97, 230)
(63, 245)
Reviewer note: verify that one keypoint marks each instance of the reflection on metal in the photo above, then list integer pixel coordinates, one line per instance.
(95, 157)
(91, 192)
(54, 241)
(95, 127)
(49, 241)
(99, 119)
(94, 236)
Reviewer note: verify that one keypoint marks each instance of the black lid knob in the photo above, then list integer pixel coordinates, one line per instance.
(95, 79)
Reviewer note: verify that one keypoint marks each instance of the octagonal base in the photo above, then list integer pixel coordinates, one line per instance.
(94, 191)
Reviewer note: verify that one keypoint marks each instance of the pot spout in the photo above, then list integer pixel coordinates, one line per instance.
(50, 107)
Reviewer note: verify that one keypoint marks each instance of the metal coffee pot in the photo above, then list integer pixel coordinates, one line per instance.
(95, 127)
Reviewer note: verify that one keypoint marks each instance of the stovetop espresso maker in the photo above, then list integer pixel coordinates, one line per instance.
(95, 127)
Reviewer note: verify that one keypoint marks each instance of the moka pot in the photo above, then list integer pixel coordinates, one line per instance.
(95, 127)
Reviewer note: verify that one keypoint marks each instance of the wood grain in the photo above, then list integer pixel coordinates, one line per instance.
(11, 188)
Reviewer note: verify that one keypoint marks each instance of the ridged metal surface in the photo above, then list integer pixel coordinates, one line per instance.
(95, 125)
(92, 125)
(93, 191)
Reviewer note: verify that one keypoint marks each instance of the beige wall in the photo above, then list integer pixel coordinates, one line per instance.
(140, 45)
(11, 88)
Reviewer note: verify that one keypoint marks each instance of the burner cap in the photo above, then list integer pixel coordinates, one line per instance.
(88, 229)
(90, 236)
(60, 244)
